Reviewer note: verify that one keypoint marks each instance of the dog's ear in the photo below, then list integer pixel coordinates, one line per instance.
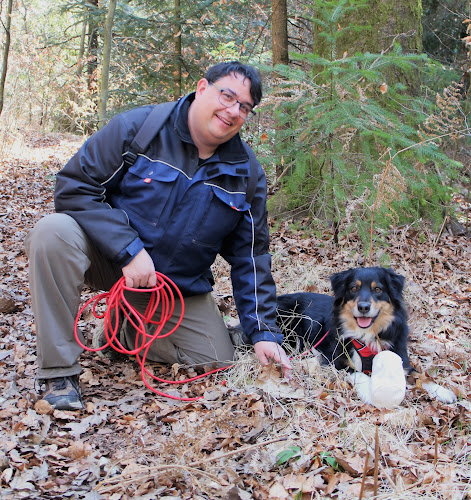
(339, 282)
(395, 283)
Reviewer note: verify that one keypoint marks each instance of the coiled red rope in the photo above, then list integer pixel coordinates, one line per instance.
(163, 295)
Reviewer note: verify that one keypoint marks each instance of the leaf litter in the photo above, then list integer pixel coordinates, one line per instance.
(252, 434)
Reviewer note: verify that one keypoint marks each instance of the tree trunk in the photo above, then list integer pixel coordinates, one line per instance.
(105, 72)
(83, 36)
(177, 74)
(92, 59)
(6, 51)
(392, 21)
(396, 22)
(279, 23)
(279, 30)
(385, 22)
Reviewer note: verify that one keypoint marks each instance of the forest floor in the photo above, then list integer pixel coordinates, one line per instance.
(252, 434)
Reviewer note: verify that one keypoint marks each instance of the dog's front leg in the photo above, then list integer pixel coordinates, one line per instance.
(362, 383)
(436, 391)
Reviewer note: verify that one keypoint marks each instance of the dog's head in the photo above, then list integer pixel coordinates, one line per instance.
(367, 299)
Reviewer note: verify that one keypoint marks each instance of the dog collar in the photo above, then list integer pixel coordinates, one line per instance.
(366, 355)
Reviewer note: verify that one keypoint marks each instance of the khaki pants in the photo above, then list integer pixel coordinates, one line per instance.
(61, 260)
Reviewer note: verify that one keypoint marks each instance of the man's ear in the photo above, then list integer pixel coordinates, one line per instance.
(201, 86)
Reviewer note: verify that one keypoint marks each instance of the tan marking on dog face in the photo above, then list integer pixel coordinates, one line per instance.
(347, 317)
(385, 317)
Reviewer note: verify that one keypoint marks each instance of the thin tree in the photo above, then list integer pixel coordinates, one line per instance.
(279, 34)
(92, 59)
(6, 51)
(105, 72)
(177, 75)
(279, 23)
(83, 36)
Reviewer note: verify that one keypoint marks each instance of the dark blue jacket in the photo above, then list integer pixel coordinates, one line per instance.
(183, 213)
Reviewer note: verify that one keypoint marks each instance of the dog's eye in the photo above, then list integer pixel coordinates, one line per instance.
(377, 289)
(354, 288)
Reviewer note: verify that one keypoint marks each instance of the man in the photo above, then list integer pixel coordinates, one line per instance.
(180, 204)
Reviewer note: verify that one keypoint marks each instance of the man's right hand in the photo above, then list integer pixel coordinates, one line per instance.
(140, 272)
(272, 352)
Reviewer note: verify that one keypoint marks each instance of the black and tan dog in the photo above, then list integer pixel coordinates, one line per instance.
(365, 316)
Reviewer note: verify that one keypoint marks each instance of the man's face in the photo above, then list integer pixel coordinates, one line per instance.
(211, 122)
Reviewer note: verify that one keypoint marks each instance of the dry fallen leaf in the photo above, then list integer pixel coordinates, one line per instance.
(42, 407)
(78, 450)
(270, 381)
(304, 483)
(7, 301)
(278, 492)
(130, 443)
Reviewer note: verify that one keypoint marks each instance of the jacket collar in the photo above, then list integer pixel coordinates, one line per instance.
(232, 151)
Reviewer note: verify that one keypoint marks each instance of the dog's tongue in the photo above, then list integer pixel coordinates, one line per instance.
(364, 322)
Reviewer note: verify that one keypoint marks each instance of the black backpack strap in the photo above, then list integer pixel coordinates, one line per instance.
(149, 129)
(252, 180)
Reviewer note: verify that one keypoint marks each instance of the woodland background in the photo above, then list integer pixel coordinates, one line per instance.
(365, 119)
(364, 136)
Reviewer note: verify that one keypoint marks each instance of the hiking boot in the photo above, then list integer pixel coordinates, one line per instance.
(62, 393)
(99, 339)
(238, 337)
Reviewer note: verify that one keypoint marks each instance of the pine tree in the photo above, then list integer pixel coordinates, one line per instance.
(353, 150)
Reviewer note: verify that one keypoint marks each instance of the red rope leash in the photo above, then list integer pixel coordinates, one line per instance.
(163, 295)
(317, 344)
(312, 348)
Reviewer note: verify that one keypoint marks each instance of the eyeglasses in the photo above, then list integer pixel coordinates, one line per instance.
(228, 100)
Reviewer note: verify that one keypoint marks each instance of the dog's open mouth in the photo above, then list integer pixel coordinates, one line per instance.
(364, 322)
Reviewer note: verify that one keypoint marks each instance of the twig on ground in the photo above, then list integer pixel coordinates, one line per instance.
(145, 472)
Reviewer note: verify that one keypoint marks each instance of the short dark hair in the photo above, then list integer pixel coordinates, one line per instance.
(235, 67)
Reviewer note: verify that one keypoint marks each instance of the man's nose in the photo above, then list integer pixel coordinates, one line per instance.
(234, 109)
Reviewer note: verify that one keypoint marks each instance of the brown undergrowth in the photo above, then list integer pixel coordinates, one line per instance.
(252, 435)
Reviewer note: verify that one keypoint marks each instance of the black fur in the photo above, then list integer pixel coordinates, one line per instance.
(361, 296)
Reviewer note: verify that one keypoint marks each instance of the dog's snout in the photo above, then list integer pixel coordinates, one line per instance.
(364, 307)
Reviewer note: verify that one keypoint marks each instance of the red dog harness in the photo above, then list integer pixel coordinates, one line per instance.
(366, 355)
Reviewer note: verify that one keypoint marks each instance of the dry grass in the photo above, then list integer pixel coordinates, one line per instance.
(422, 452)
(253, 435)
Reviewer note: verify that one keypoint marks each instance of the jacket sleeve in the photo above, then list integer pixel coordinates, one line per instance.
(247, 251)
(85, 183)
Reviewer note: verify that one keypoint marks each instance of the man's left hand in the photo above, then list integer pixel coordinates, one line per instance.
(272, 352)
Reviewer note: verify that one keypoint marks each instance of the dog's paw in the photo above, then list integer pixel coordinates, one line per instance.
(362, 383)
(438, 392)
